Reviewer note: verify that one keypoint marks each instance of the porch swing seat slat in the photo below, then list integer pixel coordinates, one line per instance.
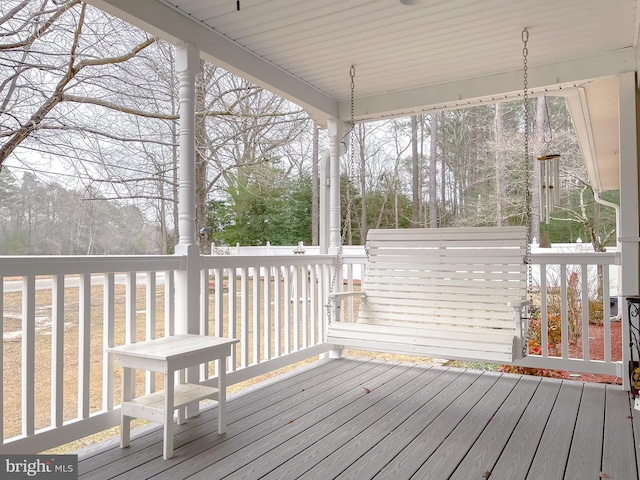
(456, 293)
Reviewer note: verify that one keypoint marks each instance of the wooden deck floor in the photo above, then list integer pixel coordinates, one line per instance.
(360, 419)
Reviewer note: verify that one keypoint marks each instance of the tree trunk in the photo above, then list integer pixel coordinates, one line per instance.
(433, 171)
(201, 167)
(443, 187)
(363, 186)
(415, 172)
(500, 167)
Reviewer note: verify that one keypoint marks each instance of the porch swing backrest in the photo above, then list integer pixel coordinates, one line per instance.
(455, 293)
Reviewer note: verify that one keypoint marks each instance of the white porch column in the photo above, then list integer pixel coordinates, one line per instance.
(325, 194)
(187, 282)
(629, 231)
(334, 129)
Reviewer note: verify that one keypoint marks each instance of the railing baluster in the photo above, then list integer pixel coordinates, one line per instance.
(266, 329)
(256, 315)
(57, 350)
(544, 315)
(150, 321)
(233, 317)
(313, 308)
(84, 347)
(296, 308)
(130, 315)
(277, 310)
(606, 313)
(28, 353)
(244, 316)
(564, 317)
(205, 290)
(304, 284)
(169, 303)
(130, 306)
(108, 331)
(204, 300)
(584, 295)
(218, 278)
(287, 310)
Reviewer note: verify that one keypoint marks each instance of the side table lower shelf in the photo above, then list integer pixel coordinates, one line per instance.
(151, 407)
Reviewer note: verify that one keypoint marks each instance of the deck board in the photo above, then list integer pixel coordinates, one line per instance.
(335, 463)
(367, 466)
(242, 414)
(446, 458)
(485, 452)
(551, 457)
(515, 460)
(198, 455)
(586, 448)
(433, 434)
(365, 419)
(618, 445)
(292, 438)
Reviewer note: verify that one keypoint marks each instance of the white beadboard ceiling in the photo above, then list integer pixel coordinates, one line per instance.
(396, 47)
(431, 55)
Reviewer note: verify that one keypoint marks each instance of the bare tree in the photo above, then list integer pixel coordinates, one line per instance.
(415, 171)
(433, 172)
(500, 166)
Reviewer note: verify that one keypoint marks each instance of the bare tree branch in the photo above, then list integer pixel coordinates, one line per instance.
(40, 32)
(32, 124)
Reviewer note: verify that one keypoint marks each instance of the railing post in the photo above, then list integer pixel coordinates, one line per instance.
(187, 282)
(334, 129)
(628, 204)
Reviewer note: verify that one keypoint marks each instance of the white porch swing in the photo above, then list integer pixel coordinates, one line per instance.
(455, 293)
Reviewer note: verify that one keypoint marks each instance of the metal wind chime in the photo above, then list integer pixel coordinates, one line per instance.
(550, 163)
(549, 184)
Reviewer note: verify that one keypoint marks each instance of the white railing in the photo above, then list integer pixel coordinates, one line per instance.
(573, 292)
(59, 313)
(275, 306)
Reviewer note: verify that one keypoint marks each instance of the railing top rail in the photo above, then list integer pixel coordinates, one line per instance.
(592, 258)
(12, 266)
(229, 261)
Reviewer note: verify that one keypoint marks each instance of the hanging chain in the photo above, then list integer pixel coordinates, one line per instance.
(527, 206)
(544, 136)
(527, 181)
(352, 156)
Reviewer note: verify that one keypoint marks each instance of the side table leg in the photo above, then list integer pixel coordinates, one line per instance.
(169, 382)
(125, 420)
(222, 395)
(182, 411)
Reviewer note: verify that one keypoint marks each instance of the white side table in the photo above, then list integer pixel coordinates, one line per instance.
(168, 355)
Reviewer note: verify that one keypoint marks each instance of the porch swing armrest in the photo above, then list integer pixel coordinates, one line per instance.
(519, 303)
(340, 296)
(520, 347)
